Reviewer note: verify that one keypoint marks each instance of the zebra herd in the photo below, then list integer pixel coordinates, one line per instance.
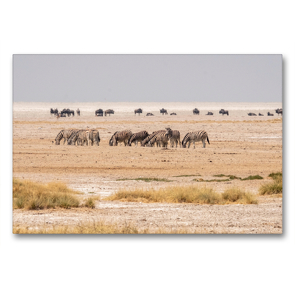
(159, 138)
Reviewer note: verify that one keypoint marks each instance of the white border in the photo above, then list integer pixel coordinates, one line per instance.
(145, 265)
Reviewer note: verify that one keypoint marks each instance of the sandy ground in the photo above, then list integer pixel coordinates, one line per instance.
(239, 146)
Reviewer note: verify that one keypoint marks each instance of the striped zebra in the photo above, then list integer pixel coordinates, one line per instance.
(138, 137)
(195, 136)
(175, 138)
(120, 136)
(64, 134)
(161, 138)
(94, 136)
(146, 141)
(79, 137)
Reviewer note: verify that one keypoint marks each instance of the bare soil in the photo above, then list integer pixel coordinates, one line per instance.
(238, 146)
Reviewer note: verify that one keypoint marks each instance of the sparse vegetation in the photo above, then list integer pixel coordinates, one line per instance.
(186, 175)
(34, 196)
(188, 194)
(145, 179)
(230, 177)
(275, 187)
(238, 195)
(252, 177)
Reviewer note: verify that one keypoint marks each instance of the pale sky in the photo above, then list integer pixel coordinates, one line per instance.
(143, 78)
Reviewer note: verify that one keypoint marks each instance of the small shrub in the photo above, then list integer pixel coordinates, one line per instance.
(89, 203)
(252, 177)
(235, 195)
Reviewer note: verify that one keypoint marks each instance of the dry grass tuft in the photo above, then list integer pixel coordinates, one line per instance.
(188, 194)
(275, 187)
(33, 196)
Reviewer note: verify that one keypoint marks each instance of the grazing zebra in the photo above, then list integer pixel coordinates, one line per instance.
(161, 138)
(196, 111)
(175, 138)
(138, 137)
(120, 136)
(269, 114)
(163, 111)
(137, 111)
(195, 136)
(94, 136)
(109, 112)
(146, 141)
(209, 114)
(252, 114)
(64, 134)
(223, 112)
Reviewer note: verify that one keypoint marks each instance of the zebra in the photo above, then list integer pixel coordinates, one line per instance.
(175, 138)
(196, 111)
(146, 141)
(209, 114)
(161, 138)
(94, 136)
(269, 114)
(109, 112)
(138, 137)
(120, 136)
(195, 136)
(64, 134)
(137, 111)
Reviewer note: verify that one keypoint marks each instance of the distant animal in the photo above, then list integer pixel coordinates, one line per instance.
(146, 141)
(260, 114)
(53, 111)
(149, 114)
(223, 112)
(161, 138)
(67, 112)
(279, 111)
(192, 137)
(78, 112)
(137, 111)
(109, 112)
(163, 111)
(173, 114)
(269, 114)
(252, 114)
(138, 137)
(175, 138)
(120, 136)
(209, 114)
(99, 112)
(58, 115)
(196, 111)
(94, 137)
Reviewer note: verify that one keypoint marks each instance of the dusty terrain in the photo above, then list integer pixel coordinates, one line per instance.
(239, 145)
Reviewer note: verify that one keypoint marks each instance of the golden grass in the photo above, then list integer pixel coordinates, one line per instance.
(32, 196)
(275, 187)
(187, 194)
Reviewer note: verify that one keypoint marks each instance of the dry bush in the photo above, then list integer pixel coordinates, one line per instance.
(181, 194)
(275, 187)
(32, 196)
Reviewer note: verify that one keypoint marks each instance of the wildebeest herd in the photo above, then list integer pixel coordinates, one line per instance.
(159, 138)
(100, 112)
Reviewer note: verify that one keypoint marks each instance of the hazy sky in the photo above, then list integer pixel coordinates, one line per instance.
(161, 78)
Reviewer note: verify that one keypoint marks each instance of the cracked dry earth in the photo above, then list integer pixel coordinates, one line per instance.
(238, 146)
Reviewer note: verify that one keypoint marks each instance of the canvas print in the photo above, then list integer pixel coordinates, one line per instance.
(147, 144)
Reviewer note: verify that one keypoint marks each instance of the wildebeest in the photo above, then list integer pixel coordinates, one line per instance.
(53, 111)
(149, 114)
(209, 114)
(78, 112)
(260, 114)
(138, 111)
(109, 112)
(279, 111)
(269, 114)
(223, 112)
(67, 112)
(196, 111)
(173, 114)
(252, 114)
(99, 112)
(163, 111)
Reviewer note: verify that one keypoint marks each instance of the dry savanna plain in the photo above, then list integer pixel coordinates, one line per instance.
(240, 145)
